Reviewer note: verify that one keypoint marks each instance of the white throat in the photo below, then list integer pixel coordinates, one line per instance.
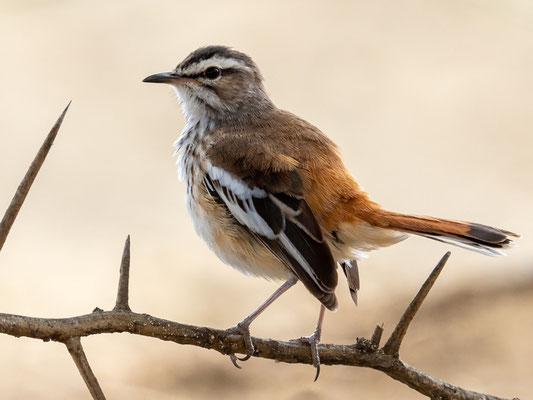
(192, 109)
(197, 123)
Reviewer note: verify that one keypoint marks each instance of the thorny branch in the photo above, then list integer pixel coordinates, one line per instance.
(364, 353)
(359, 354)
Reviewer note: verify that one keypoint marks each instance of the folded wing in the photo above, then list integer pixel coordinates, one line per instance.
(272, 208)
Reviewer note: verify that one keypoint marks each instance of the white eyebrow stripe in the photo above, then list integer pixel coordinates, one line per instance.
(215, 61)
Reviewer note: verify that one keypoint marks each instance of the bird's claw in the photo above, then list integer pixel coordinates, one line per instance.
(313, 341)
(243, 330)
(234, 359)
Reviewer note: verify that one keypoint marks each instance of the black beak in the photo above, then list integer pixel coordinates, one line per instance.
(163, 77)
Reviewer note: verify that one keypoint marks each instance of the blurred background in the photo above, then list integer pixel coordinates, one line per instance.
(431, 103)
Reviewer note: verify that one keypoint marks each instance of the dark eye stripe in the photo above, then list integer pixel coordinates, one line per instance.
(229, 71)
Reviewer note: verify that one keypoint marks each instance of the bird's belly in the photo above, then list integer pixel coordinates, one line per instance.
(231, 242)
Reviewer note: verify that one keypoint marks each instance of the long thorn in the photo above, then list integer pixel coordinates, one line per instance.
(392, 347)
(124, 279)
(24, 187)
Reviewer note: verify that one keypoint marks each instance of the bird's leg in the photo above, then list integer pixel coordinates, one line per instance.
(243, 327)
(314, 339)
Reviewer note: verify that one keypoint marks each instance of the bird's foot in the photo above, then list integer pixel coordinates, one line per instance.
(242, 329)
(313, 341)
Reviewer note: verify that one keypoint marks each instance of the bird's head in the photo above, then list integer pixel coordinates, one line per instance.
(217, 83)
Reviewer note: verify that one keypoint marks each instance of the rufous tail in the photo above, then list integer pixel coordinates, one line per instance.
(476, 237)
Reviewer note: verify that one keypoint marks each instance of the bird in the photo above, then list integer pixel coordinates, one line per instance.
(270, 195)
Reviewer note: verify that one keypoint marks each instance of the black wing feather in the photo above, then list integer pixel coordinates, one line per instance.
(270, 212)
(319, 258)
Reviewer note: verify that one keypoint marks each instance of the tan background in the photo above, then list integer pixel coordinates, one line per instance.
(431, 104)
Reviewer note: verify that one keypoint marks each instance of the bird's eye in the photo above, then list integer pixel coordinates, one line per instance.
(212, 73)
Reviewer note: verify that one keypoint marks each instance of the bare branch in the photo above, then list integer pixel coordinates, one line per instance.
(78, 355)
(24, 187)
(62, 329)
(123, 282)
(392, 347)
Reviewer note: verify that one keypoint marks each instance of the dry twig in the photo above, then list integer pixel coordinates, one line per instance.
(364, 353)
(392, 347)
(75, 349)
(24, 187)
